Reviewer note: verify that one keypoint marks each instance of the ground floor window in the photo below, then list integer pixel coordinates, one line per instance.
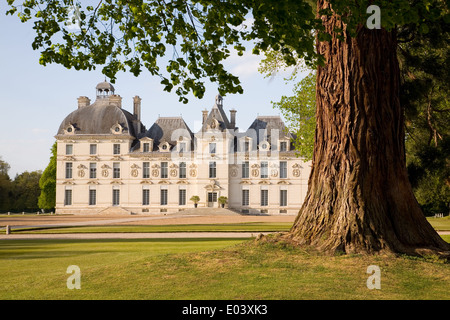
(245, 197)
(182, 197)
(283, 198)
(116, 197)
(145, 197)
(264, 198)
(92, 197)
(164, 195)
(68, 197)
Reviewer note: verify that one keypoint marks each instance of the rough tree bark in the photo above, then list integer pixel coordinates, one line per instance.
(359, 198)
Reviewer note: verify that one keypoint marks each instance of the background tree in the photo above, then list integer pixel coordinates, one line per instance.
(5, 187)
(47, 183)
(25, 191)
(359, 198)
(425, 65)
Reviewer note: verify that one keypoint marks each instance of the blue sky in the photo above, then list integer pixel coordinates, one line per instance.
(35, 99)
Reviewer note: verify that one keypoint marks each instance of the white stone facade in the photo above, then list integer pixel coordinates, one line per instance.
(108, 163)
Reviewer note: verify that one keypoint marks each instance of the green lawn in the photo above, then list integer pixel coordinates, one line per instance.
(221, 227)
(207, 269)
(441, 224)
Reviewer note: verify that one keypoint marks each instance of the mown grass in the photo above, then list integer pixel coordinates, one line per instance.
(207, 269)
(220, 227)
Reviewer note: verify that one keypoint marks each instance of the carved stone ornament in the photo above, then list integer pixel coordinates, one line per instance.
(274, 173)
(255, 172)
(173, 173)
(193, 173)
(155, 172)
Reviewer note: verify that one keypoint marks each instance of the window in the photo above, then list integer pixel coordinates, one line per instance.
(283, 198)
(116, 197)
(264, 198)
(245, 197)
(245, 169)
(283, 169)
(283, 146)
(68, 170)
(164, 194)
(182, 172)
(92, 197)
(69, 149)
(264, 169)
(146, 147)
(116, 170)
(146, 170)
(182, 147)
(68, 197)
(93, 149)
(145, 197)
(116, 148)
(212, 197)
(212, 169)
(164, 170)
(246, 146)
(92, 171)
(182, 197)
(212, 148)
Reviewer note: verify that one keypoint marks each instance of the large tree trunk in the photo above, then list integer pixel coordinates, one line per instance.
(359, 198)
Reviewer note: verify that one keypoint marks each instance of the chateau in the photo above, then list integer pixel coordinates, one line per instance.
(108, 162)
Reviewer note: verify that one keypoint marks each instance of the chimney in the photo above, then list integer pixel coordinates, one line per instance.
(205, 115)
(137, 114)
(137, 107)
(83, 102)
(116, 100)
(233, 118)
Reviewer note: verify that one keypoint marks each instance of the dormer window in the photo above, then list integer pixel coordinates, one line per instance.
(70, 129)
(146, 147)
(284, 145)
(164, 147)
(116, 129)
(265, 146)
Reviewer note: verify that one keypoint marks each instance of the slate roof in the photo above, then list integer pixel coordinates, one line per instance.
(168, 129)
(98, 118)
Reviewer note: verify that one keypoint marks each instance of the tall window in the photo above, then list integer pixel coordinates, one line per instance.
(245, 197)
(93, 149)
(264, 169)
(212, 147)
(212, 169)
(116, 197)
(164, 194)
(283, 146)
(182, 172)
(92, 197)
(116, 170)
(116, 148)
(245, 169)
(146, 170)
(145, 197)
(68, 170)
(146, 147)
(69, 149)
(264, 198)
(68, 197)
(246, 146)
(92, 171)
(182, 197)
(283, 169)
(164, 170)
(283, 198)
